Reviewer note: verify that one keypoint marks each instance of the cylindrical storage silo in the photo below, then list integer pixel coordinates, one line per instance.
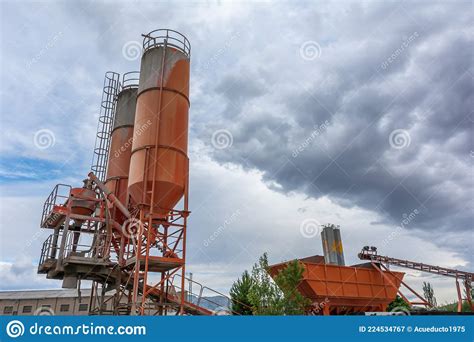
(329, 245)
(339, 249)
(159, 160)
(332, 245)
(122, 137)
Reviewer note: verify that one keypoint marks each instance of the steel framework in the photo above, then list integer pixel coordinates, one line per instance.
(90, 247)
(370, 253)
(135, 248)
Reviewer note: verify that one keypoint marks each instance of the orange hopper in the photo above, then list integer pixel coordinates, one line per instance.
(335, 289)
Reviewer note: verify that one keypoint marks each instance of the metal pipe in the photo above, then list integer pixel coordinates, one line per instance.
(109, 194)
(458, 288)
(63, 239)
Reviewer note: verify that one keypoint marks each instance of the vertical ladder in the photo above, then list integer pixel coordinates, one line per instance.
(105, 124)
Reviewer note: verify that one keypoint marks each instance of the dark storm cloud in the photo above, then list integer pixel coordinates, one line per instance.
(391, 67)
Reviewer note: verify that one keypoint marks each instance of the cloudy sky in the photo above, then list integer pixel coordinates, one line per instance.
(354, 113)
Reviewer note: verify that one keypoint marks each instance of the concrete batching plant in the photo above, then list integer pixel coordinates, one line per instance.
(125, 229)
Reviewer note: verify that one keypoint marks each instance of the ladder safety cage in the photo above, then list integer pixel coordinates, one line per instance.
(105, 124)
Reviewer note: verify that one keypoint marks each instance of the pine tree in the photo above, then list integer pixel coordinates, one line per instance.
(239, 294)
(279, 296)
(264, 295)
(288, 279)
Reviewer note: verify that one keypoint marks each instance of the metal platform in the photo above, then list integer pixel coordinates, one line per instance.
(155, 263)
(86, 268)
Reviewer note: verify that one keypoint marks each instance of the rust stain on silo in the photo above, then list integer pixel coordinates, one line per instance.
(159, 158)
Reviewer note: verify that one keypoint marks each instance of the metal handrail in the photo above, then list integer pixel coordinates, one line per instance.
(53, 200)
(130, 80)
(170, 37)
(45, 250)
(94, 250)
(200, 297)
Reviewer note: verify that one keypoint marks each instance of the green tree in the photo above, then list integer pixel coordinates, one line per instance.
(429, 294)
(239, 294)
(398, 304)
(279, 296)
(264, 295)
(453, 307)
(288, 279)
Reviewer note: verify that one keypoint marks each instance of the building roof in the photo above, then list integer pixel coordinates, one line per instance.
(43, 294)
(316, 259)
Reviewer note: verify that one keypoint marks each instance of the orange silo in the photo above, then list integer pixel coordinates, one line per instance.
(159, 161)
(122, 137)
